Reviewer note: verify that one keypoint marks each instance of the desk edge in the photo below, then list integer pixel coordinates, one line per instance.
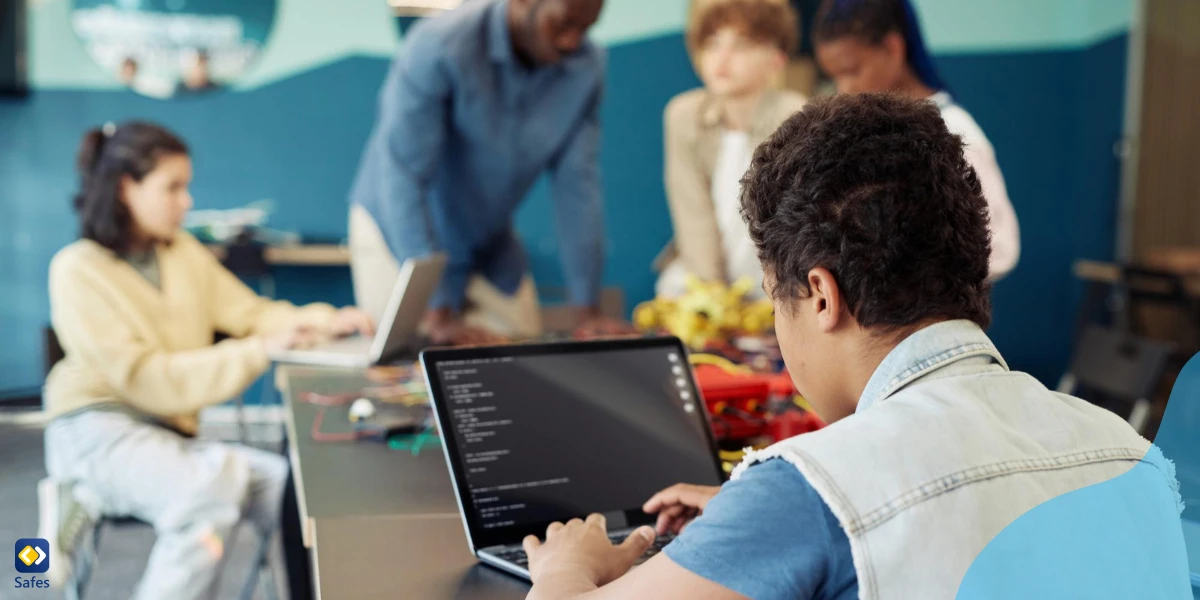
(283, 382)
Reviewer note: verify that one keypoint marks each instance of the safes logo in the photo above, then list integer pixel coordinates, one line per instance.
(32, 555)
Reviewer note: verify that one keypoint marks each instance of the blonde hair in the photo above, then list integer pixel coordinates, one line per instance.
(769, 21)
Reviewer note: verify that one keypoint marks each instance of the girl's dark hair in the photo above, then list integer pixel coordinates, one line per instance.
(870, 21)
(107, 154)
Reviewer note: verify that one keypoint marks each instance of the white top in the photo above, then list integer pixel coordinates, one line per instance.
(733, 160)
(741, 258)
(1006, 234)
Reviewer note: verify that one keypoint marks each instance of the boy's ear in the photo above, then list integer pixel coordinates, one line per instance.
(827, 299)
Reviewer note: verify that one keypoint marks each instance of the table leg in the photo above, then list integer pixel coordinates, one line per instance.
(295, 555)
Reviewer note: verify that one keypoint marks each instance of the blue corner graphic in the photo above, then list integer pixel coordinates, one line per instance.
(1123, 538)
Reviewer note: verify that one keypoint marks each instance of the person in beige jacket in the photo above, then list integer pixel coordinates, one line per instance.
(135, 304)
(741, 49)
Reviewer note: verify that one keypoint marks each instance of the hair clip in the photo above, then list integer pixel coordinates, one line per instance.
(108, 129)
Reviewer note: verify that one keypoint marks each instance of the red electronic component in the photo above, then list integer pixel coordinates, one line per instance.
(719, 385)
(738, 404)
(782, 385)
(791, 423)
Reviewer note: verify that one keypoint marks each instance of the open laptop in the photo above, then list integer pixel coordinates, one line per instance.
(540, 433)
(397, 330)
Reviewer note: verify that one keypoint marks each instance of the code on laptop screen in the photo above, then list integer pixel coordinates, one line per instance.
(556, 436)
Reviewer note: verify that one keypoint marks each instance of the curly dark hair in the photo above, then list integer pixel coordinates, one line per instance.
(765, 21)
(131, 150)
(874, 188)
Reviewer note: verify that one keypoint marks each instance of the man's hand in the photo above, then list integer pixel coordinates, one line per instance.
(445, 327)
(679, 505)
(590, 323)
(579, 556)
(351, 320)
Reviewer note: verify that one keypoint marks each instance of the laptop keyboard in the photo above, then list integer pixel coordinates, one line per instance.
(516, 555)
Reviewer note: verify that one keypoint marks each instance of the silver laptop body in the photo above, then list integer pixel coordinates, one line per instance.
(396, 333)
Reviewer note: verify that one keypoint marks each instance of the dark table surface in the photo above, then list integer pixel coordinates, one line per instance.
(367, 558)
(339, 479)
(380, 522)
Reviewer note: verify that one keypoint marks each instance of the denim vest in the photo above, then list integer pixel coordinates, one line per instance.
(946, 448)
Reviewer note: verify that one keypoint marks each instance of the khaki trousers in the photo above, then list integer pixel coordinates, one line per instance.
(373, 270)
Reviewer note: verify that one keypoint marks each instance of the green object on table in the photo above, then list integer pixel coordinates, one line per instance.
(414, 442)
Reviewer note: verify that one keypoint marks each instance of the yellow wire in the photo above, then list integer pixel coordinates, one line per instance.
(719, 361)
(799, 400)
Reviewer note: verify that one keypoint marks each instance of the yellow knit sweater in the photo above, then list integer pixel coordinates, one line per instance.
(127, 341)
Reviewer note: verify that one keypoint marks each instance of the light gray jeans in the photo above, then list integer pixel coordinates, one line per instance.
(194, 492)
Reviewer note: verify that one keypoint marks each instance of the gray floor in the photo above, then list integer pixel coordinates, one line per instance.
(123, 550)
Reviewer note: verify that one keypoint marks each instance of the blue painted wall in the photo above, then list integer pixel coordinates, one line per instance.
(1053, 117)
(1052, 114)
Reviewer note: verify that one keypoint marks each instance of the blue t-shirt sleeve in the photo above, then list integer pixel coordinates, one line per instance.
(769, 535)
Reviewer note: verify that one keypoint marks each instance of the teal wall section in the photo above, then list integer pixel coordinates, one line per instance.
(959, 26)
(294, 131)
(1053, 118)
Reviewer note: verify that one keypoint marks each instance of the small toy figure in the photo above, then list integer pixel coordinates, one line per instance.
(710, 312)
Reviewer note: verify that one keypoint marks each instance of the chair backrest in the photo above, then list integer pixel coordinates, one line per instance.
(1119, 365)
(246, 258)
(52, 350)
(1143, 287)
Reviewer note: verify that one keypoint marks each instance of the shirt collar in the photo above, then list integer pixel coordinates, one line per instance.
(711, 112)
(499, 39)
(923, 352)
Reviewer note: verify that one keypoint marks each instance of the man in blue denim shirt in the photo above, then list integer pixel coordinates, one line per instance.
(873, 234)
(478, 104)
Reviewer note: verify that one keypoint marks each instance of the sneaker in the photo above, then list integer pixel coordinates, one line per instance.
(67, 524)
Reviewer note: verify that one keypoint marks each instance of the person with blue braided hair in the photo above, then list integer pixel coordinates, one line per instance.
(876, 46)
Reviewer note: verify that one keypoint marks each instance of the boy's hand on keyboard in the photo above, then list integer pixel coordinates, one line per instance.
(679, 505)
(582, 550)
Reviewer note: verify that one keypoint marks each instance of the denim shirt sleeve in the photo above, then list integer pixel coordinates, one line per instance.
(578, 207)
(768, 535)
(412, 116)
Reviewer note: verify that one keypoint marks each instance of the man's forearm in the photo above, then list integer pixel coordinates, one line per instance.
(561, 586)
(580, 216)
(583, 270)
(451, 292)
(582, 248)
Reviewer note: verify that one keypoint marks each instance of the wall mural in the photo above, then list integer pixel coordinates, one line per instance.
(172, 48)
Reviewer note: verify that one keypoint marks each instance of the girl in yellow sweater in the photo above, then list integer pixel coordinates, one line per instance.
(135, 304)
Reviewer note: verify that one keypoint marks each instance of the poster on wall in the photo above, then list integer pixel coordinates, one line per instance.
(173, 48)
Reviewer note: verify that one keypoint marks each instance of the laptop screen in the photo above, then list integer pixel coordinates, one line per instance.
(543, 433)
